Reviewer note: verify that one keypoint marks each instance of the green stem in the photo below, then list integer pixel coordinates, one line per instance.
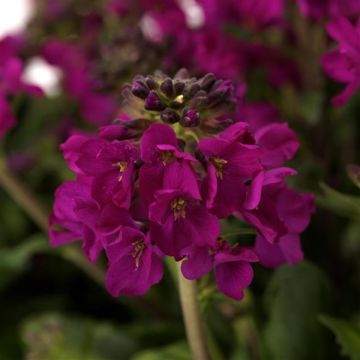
(28, 202)
(12, 185)
(195, 329)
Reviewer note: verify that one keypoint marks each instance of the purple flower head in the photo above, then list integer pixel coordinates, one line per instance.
(159, 180)
(343, 64)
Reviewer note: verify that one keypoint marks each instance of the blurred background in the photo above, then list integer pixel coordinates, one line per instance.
(80, 53)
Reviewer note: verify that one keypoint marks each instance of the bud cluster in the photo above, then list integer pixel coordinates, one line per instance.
(188, 101)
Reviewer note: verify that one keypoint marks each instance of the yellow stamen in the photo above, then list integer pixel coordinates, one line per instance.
(178, 206)
(167, 156)
(122, 165)
(139, 247)
(219, 166)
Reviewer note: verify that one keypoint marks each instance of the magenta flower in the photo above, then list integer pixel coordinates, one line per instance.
(343, 64)
(319, 9)
(159, 181)
(11, 82)
(229, 164)
(178, 221)
(165, 166)
(74, 216)
(78, 81)
(111, 165)
(260, 12)
(134, 264)
(294, 210)
(231, 265)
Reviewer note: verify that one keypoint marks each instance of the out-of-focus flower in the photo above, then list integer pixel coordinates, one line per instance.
(260, 12)
(319, 9)
(78, 83)
(158, 182)
(11, 80)
(343, 64)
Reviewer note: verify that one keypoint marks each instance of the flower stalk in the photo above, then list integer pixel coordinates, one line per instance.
(12, 185)
(194, 326)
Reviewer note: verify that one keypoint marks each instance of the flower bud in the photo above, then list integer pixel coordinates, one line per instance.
(167, 88)
(151, 83)
(207, 81)
(139, 89)
(190, 118)
(153, 102)
(170, 116)
(179, 87)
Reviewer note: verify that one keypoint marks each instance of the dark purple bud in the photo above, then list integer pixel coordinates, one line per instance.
(179, 87)
(207, 81)
(200, 99)
(217, 96)
(151, 83)
(139, 89)
(153, 102)
(167, 88)
(182, 74)
(127, 94)
(190, 118)
(170, 116)
(192, 91)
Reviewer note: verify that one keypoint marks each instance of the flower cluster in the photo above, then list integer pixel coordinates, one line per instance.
(343, 64)
(78, 83)
(197, 28)
(11, 80)
(162, 180)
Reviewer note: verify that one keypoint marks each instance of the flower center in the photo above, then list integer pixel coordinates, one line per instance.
(122, 166)
(219, 166)
(178, 206)
(139, 247)
(167, 156)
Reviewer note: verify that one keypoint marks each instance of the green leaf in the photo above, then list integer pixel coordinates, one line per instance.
(55, 337)
(294, 298)
(342, 204)
(14, 260)
(347, 335)
(178, 351)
